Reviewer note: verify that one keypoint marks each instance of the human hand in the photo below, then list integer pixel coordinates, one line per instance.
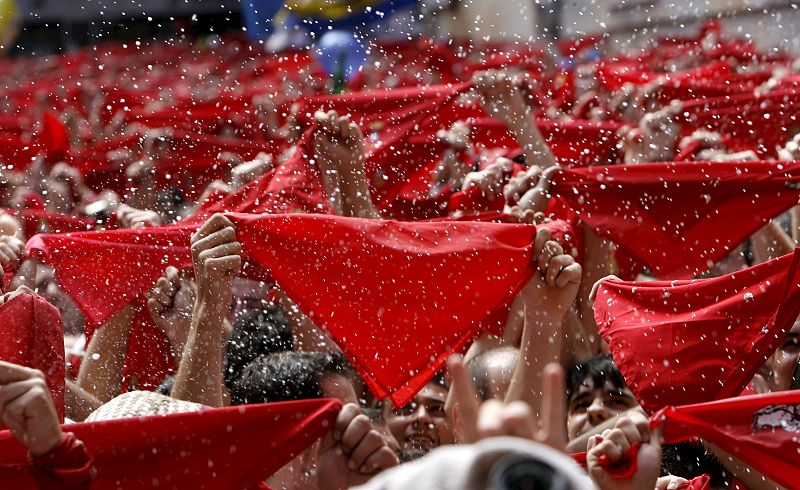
(27, 408)
(170, 304)
(217, 258)
(353, 452)
(611, 448)
(490, 180)
(501, 95)
(12, 250)
(492, 418)
(129, 217)
(553, 288)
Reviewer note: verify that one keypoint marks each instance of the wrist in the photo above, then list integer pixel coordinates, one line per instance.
(43, 447)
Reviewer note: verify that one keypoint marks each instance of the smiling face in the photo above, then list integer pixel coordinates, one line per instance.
(420, 425)
(590, 406)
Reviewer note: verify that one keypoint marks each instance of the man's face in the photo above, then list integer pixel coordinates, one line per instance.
(420, 425)
(590, 406)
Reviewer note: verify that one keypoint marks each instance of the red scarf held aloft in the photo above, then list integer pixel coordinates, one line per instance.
(759, 430)
(384, 290)
(224, 448)
(680, 217)
(32, 335)
(691, 341)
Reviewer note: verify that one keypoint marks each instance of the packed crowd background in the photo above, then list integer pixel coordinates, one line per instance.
(474, 266)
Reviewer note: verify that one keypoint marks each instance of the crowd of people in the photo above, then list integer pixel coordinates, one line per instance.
(478, 267)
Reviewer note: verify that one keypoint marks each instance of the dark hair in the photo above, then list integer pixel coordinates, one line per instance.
(599, 368)
(285, 376)
(690, 459)
(256, 332)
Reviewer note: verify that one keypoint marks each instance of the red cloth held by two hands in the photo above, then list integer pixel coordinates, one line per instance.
(691, 341)
(679, 218)
(225, 448)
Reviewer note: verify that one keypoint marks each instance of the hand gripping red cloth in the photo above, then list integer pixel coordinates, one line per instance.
(397, 297)
(692, 341)
(223, 448)
(679, 217)
(32, 335)
(759, 430)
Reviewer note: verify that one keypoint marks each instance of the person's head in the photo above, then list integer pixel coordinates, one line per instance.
(492, 371)
(420, 425)
(256, 332)
(286, 376)
(596, 392)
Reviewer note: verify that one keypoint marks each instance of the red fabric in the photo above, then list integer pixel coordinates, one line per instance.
(697, 483)
(708, 334)
(103, 271)
(41, 221)
(32, 335)
(681, 217)
(379, 287)
(68, 466)
(760, 430)
(225, 448)
(54, 137)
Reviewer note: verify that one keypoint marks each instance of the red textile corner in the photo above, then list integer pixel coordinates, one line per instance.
(760, 430)
(398, 298)
(32, 335)
(383, 289)
(683, 342)
(681, 217)
(224, 448)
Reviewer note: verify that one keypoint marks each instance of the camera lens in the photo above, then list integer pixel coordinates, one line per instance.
(525, 473)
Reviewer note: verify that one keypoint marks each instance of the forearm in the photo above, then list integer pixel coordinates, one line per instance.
(771, 242)
(199, 377)
(540, 345)
(78, 403)
(597, 264)
(306, 337)
(578, 445)
(103, 366)
(533, 145)
(356, 197)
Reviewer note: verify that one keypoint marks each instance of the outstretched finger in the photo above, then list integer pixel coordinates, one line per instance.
(554, 409)
(465, 396)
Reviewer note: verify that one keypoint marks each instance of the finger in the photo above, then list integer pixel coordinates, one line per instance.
(356, 430)
(380, 460)
(371, 443)
(11, 372)
(11, 391)
(593, 441)
(173, 275)
(570, 274)
(595, 288)
(519, 420)
(542, 237)
(630, 431)
(554, 407)
(550, 250)
(609, 449)
(465, 396)
(223, 250)
(620, 439)
(224, 235)
(346, 414)
(230, 264)
(155, 307)
(490, 419)
(167, 287)
(215, 223)
(554, 268)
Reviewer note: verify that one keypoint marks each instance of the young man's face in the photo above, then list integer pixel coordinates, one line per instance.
(421, 425)
(590, 406)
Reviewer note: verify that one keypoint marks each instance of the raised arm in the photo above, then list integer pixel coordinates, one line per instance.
(217, 261)
(103, 366)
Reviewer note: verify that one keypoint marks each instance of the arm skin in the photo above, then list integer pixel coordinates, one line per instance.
(78, 403)
(578, 445)
(771, 242)
(103, 366)
(306, 336)
(217, 260)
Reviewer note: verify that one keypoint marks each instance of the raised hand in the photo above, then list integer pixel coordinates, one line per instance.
(353, 452)
(216, 256)
(129, 217)
(12, 250)
(170, 303)
(27, 409)
(494, 418)
(490, 180)
(611, 448)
